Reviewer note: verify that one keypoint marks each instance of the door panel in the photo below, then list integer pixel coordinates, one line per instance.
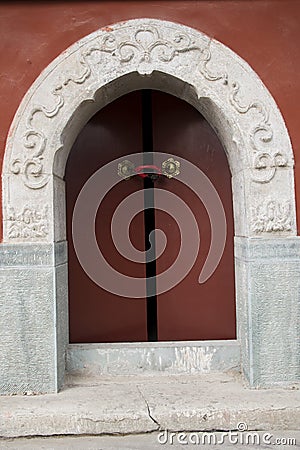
(189, 311)
(95, 314)
(193, 311)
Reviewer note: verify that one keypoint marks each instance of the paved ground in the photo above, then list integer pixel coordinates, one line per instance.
(155, 441)
(141, 404)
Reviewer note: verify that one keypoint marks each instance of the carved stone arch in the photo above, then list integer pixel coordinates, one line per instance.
(147, 53)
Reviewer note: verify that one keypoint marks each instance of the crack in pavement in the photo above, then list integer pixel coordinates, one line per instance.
(148, 409)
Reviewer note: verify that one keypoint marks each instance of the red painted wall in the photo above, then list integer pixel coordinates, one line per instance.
(266, 33)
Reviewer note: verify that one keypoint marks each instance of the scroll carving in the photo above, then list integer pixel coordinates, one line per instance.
(205, 71)
(264, 162)
(146, 44)
(31, 166)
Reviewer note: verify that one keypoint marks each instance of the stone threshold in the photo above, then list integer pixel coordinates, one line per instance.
(134, 358)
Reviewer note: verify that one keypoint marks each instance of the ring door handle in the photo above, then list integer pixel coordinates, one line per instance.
(169, 168)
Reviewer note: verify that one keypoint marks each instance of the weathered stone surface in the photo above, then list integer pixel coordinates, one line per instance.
(153, 357)
(27, 357)
(139, 404)
(101, 409)
(61, 321)
(33, 285)
(159, 440)
(268, 286)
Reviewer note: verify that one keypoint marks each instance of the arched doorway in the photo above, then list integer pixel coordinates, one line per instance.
(149, 121)
(147, 54)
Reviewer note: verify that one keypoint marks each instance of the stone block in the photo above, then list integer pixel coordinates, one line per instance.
(33, 317)
(268, 288)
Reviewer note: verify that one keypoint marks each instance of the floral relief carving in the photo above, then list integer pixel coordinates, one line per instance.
(28, 223)
(147, 44)
(271, 216)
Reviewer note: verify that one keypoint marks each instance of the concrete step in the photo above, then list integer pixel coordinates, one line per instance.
(139, 404)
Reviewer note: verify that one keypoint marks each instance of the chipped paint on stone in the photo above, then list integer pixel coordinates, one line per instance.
(193, 359)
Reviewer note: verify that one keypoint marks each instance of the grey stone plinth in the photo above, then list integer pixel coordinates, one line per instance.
(33, 317)
(268, 288)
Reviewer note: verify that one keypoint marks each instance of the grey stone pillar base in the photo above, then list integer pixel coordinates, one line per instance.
(33, 317)
(268, 309)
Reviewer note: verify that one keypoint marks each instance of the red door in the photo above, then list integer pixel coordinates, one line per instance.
(193, 311)
(95, 314)
(188, 311)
